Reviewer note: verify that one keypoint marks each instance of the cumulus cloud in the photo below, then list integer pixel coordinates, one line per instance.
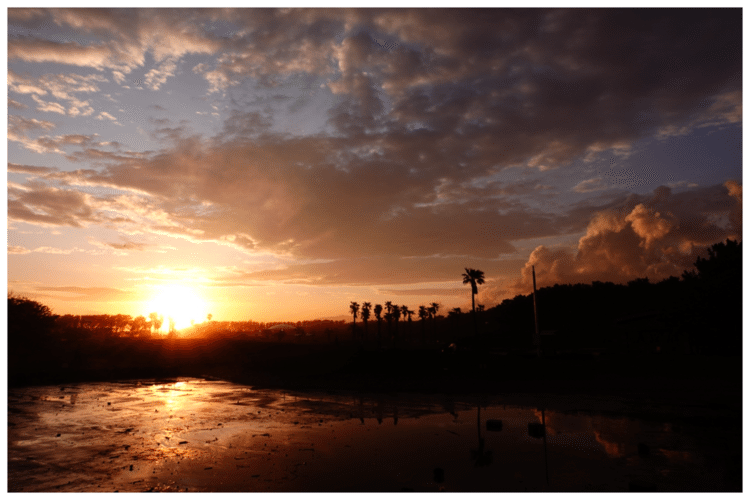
(653, 236)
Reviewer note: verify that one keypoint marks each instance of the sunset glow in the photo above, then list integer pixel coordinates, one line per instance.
(276, 165)
(179, 303)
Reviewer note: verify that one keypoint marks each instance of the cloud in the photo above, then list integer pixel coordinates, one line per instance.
(120, 248)
(549, 86)
(278, 190)
(29, 169)
(653, 236)
(48, 107)
(60, 86)
(16, 105)
(44, 51)
(436, 127)
(370, 271)
(121, 37)
(106, 116)
(425, 291)
(589, 185)
(18, 127)
(97, 294)
(17, 250)
(48, 206)
(158, 76)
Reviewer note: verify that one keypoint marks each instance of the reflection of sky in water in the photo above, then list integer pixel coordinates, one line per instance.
(210, 435)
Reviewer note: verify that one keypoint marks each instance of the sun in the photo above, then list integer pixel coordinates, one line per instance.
(181, 303)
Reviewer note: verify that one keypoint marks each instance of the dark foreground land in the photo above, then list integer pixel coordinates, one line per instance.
(679, 378)
(264, 416)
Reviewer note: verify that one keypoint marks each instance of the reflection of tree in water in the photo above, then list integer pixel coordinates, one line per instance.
(450, 406)
(537, 430)
(480, 456)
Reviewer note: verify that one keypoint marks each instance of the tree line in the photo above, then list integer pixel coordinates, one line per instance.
(394, 312)
(699, 312)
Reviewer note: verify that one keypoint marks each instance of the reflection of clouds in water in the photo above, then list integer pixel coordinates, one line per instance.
(194, 423)
(614, 434)
(675, 455)
(612, 449)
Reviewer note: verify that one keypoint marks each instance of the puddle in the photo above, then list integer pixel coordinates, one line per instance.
(199, 435)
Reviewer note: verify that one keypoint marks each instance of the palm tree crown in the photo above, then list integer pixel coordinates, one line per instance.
(475, 277)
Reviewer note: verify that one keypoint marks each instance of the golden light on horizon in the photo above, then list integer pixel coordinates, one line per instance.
(182, 303)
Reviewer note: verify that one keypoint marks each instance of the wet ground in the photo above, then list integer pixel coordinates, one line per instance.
(201, 435)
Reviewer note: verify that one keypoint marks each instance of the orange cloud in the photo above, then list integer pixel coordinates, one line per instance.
(653, 237)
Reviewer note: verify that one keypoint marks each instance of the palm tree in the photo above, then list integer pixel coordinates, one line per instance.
(389, 315)
(354, 309)
(378, 310)
(433, 310)
(366, 315)
(405, 311)
(423, 315)
(396, 315)
(475, 277)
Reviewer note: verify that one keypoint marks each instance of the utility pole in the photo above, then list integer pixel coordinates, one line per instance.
(537, 338)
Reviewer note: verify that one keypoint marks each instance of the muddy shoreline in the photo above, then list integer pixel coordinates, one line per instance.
(187, 434)
(638, 384)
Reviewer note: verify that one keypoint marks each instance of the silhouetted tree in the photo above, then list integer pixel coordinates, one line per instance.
(366, 315)
(139, 327)
(423, 315)
(713, 316)
(396, 317)
(480, 456)
(475, 277)
(407, 313)
(724, 262)
(156, 321)
(433, 310)
(378, 310)
(354, 309)
(29, 322)
(389, 316)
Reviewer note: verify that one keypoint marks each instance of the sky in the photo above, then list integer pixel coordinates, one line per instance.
(276, 165)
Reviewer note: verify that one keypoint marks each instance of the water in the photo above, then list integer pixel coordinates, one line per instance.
(200, 435)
